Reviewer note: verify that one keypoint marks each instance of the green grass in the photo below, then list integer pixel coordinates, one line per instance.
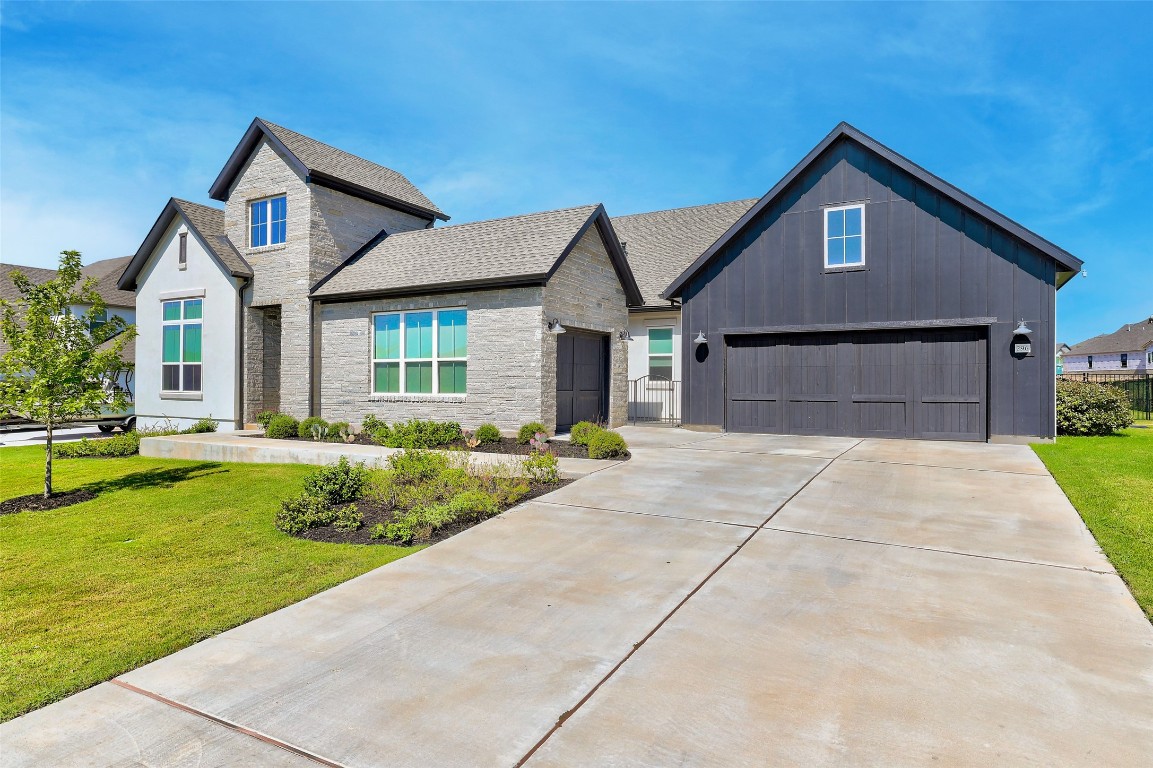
(170, 553)
(1110, 482)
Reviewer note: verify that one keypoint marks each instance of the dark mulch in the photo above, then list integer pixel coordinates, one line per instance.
(506, 445)
(361, 439)
(36, 502)
(375, 512)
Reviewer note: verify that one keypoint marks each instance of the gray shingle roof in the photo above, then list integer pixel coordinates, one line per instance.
(209, 224)
(105, 272)
(1131, 337)
(37, 275)
(661, 244)
(518, 248)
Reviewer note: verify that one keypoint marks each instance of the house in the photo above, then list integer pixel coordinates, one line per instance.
(323, 288)
(1129, 349)
(328, 285)
(865, 296)
(1062, 350)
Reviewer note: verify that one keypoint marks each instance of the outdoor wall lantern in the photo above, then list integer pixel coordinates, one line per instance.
(1022, 343)
(624, 335)
(700, 339)
(554, 326)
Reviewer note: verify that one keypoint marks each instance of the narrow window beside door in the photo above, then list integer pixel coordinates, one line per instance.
(181, 349)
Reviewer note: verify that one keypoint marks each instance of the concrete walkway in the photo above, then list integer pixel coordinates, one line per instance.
(720, 600)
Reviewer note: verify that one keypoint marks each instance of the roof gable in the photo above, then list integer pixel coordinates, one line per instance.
(1131, 337)
(518, 250)
(319, 163)
(208, 225)
(1067, 264)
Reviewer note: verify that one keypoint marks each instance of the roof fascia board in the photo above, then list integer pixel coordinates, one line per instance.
(616, 254)
(172, 209)
(248, 144)
(423, 290)
(348, 188)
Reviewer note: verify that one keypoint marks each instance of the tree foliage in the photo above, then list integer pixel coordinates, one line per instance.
(62, 365)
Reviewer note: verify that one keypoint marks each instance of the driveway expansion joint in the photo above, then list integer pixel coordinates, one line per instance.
(946, 466)
(544, 500)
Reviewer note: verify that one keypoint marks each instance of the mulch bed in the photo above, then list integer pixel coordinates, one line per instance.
(36, 502)
(360, 439)
(507, 445)
(375, 512)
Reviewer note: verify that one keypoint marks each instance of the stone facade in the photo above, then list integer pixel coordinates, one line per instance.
(505, 338)
(586, 293)
(341, 224)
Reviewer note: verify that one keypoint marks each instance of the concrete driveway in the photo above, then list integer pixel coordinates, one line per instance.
(720, 600)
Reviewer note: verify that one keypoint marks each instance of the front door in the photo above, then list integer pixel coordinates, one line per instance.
(581, 378)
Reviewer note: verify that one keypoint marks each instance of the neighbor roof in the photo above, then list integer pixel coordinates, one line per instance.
(661, 244)
(1067, 264)
(327, 166)
(518, 250)
(104, 272)
(208, 225)
(1131, 337)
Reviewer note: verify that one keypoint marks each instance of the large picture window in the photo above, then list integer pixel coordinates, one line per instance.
(845, 236)
(182, 331)
(423, 352)
(268, 221)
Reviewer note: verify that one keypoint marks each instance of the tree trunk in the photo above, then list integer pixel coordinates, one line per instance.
(48, 462)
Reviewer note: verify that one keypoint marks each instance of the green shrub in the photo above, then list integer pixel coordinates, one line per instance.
(1088, 408)
(542, 468)
(201, 426)
(419, 523)
(281, 427)
(419, 433)
(582, 431)
(607, 445)
(305, 511)
(529, 431)
(377, 531)
(337, 483)
(124, 444)
(338, 430)
(370, 423)
(417, 466)
(304, 429)
(348, 519)
(487, 433)
(475, 504)
(264, 417)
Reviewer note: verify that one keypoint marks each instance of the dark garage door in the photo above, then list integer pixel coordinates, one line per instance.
(927, 384)
(581, 378)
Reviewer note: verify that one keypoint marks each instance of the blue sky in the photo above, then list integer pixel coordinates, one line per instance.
(1042, 111)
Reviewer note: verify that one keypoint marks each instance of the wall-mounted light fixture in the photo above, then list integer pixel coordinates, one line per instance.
(1022, 329)
(624, 335)
(554, 326)
(1022, 343)
(700, 339)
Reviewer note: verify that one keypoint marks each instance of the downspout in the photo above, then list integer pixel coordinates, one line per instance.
(242, 285)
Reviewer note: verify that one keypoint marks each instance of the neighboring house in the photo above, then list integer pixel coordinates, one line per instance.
(1129, 349)
(322, 288)
(660, 245)
(1062, 348)
(864, 296)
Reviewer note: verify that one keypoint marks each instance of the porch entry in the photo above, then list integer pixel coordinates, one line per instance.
(582, 371)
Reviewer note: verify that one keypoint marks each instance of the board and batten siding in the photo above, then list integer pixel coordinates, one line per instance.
(927, 260)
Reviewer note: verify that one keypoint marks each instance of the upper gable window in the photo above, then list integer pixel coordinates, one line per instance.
(845, 236)
(268, 221)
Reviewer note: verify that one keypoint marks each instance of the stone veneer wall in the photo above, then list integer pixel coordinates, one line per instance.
(586, 293)
(505, 333)
(341, 224)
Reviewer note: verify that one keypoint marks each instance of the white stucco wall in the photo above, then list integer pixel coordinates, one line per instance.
(655, 400)
(162, 280)
(1108, 361)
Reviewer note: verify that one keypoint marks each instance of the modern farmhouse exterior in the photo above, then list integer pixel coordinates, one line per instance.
(324, 287)
(864, 296)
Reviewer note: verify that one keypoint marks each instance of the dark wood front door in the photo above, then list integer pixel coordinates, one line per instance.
(928, 384)
(581, 378)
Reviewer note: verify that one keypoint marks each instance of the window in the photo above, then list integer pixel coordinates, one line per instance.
(1090, 361)
(97, 320)
(268, 221)
(422, 352)
(1149, 357)
(661, 354)
(845, 236)
(183, 260)
(182, 337)
(1124, 360)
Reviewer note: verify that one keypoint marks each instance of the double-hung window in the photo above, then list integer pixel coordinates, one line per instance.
(1124, 360)
(423, 352)
(98, 320)
(268, 221)
(844, 236)
(182, 338)
(660, 354)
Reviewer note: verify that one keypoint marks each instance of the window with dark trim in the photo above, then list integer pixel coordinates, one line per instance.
(182, 334)
(183, 250)
(1090, 361)
(268, 221)
(1124, 360)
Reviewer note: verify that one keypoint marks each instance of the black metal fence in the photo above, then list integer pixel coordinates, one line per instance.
(1139, 387)
(654, 399)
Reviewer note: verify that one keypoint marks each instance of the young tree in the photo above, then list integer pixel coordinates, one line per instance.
(61, 367)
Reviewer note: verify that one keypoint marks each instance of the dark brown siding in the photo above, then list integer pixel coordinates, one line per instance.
(927, 260)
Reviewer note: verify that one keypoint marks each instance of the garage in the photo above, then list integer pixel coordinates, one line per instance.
(581, 378)
(926, 384)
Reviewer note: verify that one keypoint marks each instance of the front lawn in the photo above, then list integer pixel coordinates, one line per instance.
(1110, 482)
(169, 553)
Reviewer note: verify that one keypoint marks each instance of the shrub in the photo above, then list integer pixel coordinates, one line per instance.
(417, 466)
(305, 511)
(340, 432)
(582, 431)
(529, 431)
(264, 417)
(419, 523)
(370, 423)
(124, 444)
(418, 433)
(377, 531)
(337, 483)
(281, 427)
(475, 504)
(201, 426)
(607, 445)
(487, 433)
(348, 519)
(1088, 408)
(542, 468)
(304, 430)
